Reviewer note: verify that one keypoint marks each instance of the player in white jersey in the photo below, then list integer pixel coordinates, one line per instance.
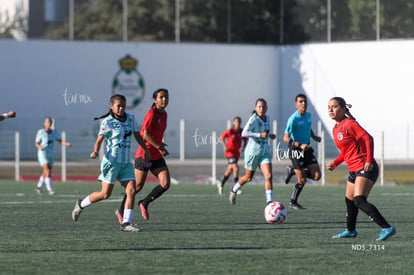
(44, 144)
(117, 128)
(257, 153)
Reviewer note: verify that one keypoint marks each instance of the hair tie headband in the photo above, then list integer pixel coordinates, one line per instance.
(348, 106)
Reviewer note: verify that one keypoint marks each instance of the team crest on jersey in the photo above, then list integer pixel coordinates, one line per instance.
(340, 136)
(129, 82)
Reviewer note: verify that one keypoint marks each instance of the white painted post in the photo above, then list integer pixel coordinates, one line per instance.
(274, 143)
(17, 156)
(213, 158)
(322, 163)
(182, 139)
(382, 159)
(63, 173)
(228, 124)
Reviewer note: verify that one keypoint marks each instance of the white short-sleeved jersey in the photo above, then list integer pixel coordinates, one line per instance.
(46, 139)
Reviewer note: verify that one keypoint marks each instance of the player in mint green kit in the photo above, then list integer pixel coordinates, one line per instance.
(117, 128)
(44, 144)
(257, 153)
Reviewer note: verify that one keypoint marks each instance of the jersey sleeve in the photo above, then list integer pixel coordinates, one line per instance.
(361, 135)
(56, 135)
(134, 124)
(148, 121)
(289, 126)
(248, 129)
(225, 134)
(103, 130)
(38, 137)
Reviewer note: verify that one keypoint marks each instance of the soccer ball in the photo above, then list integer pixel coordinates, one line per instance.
(275, 212)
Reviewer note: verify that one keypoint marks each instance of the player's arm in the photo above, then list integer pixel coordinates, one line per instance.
(223, 140)
(38, 146)
(315, 137)
(339, 159)
(141, 143)
(160, 147)
(9, 114)
(64, 142)
(97, 146)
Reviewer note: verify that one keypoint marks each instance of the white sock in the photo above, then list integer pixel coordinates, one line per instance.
(269, 195)
(85, 202)
(235, 187)
(40, 182)
(48, 182)
(128, 214)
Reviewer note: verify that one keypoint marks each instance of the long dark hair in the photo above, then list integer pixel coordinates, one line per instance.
(344, 105)
(155, 94)
(257, 101)
(111, 101)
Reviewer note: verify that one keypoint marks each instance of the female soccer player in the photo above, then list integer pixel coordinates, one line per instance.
(356, 148)
(9, 114)
(231, 140)
(117, 127)
(257, 152)
(44, 144)
(152, 131)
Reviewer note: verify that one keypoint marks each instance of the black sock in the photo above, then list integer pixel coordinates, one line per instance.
(122, 207)
(224, 179)
(372, 212)
(236, 179)
(296, 192)
(155, 193)
(351, 214)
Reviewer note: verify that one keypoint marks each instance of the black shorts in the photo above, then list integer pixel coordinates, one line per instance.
(372, 175)
(153, 165)
(302, 159)
(232, 160)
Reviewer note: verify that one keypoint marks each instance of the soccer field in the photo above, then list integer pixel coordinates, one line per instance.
(192, 230)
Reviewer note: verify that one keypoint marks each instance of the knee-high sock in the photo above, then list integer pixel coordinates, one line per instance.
(154, 194)
(370, 209)
(296, 192)
(351, 214)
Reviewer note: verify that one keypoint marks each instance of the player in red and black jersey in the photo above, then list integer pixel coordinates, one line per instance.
(356, 148)
(232, 140)
(152, 131)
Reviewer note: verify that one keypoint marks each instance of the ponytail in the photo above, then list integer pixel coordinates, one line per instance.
(344, 105)
(111, 101)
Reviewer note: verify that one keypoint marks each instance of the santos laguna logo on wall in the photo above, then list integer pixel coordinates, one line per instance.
(129, 82)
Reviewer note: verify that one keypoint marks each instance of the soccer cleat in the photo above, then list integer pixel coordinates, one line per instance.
(232, 197)
(346, 234)
(119, 216)
(77, 210)
(38, 191)
(144, 211)
(127, 227)
(290, 173)
(52, 193)
(220, 188)
(239, 192)
(385, 233)
(296, 206)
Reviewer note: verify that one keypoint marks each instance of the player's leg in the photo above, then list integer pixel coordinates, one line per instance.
(41, 157)
(47, 174)
(92, 198)
(225, 177)
(363, 186)
(297, 189)
(160, 170)
(266, 169)
(314, 171)
(351, 212)
(126, 224)
(238, 185)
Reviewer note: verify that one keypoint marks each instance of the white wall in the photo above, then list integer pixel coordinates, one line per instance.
(211, 83)
(208, 84)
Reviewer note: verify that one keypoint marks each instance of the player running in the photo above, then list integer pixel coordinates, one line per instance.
(297, 134)
(117, 128)
(356, 149)
(231, 140)
(257, 153)
(44, 144)
(152, 131)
